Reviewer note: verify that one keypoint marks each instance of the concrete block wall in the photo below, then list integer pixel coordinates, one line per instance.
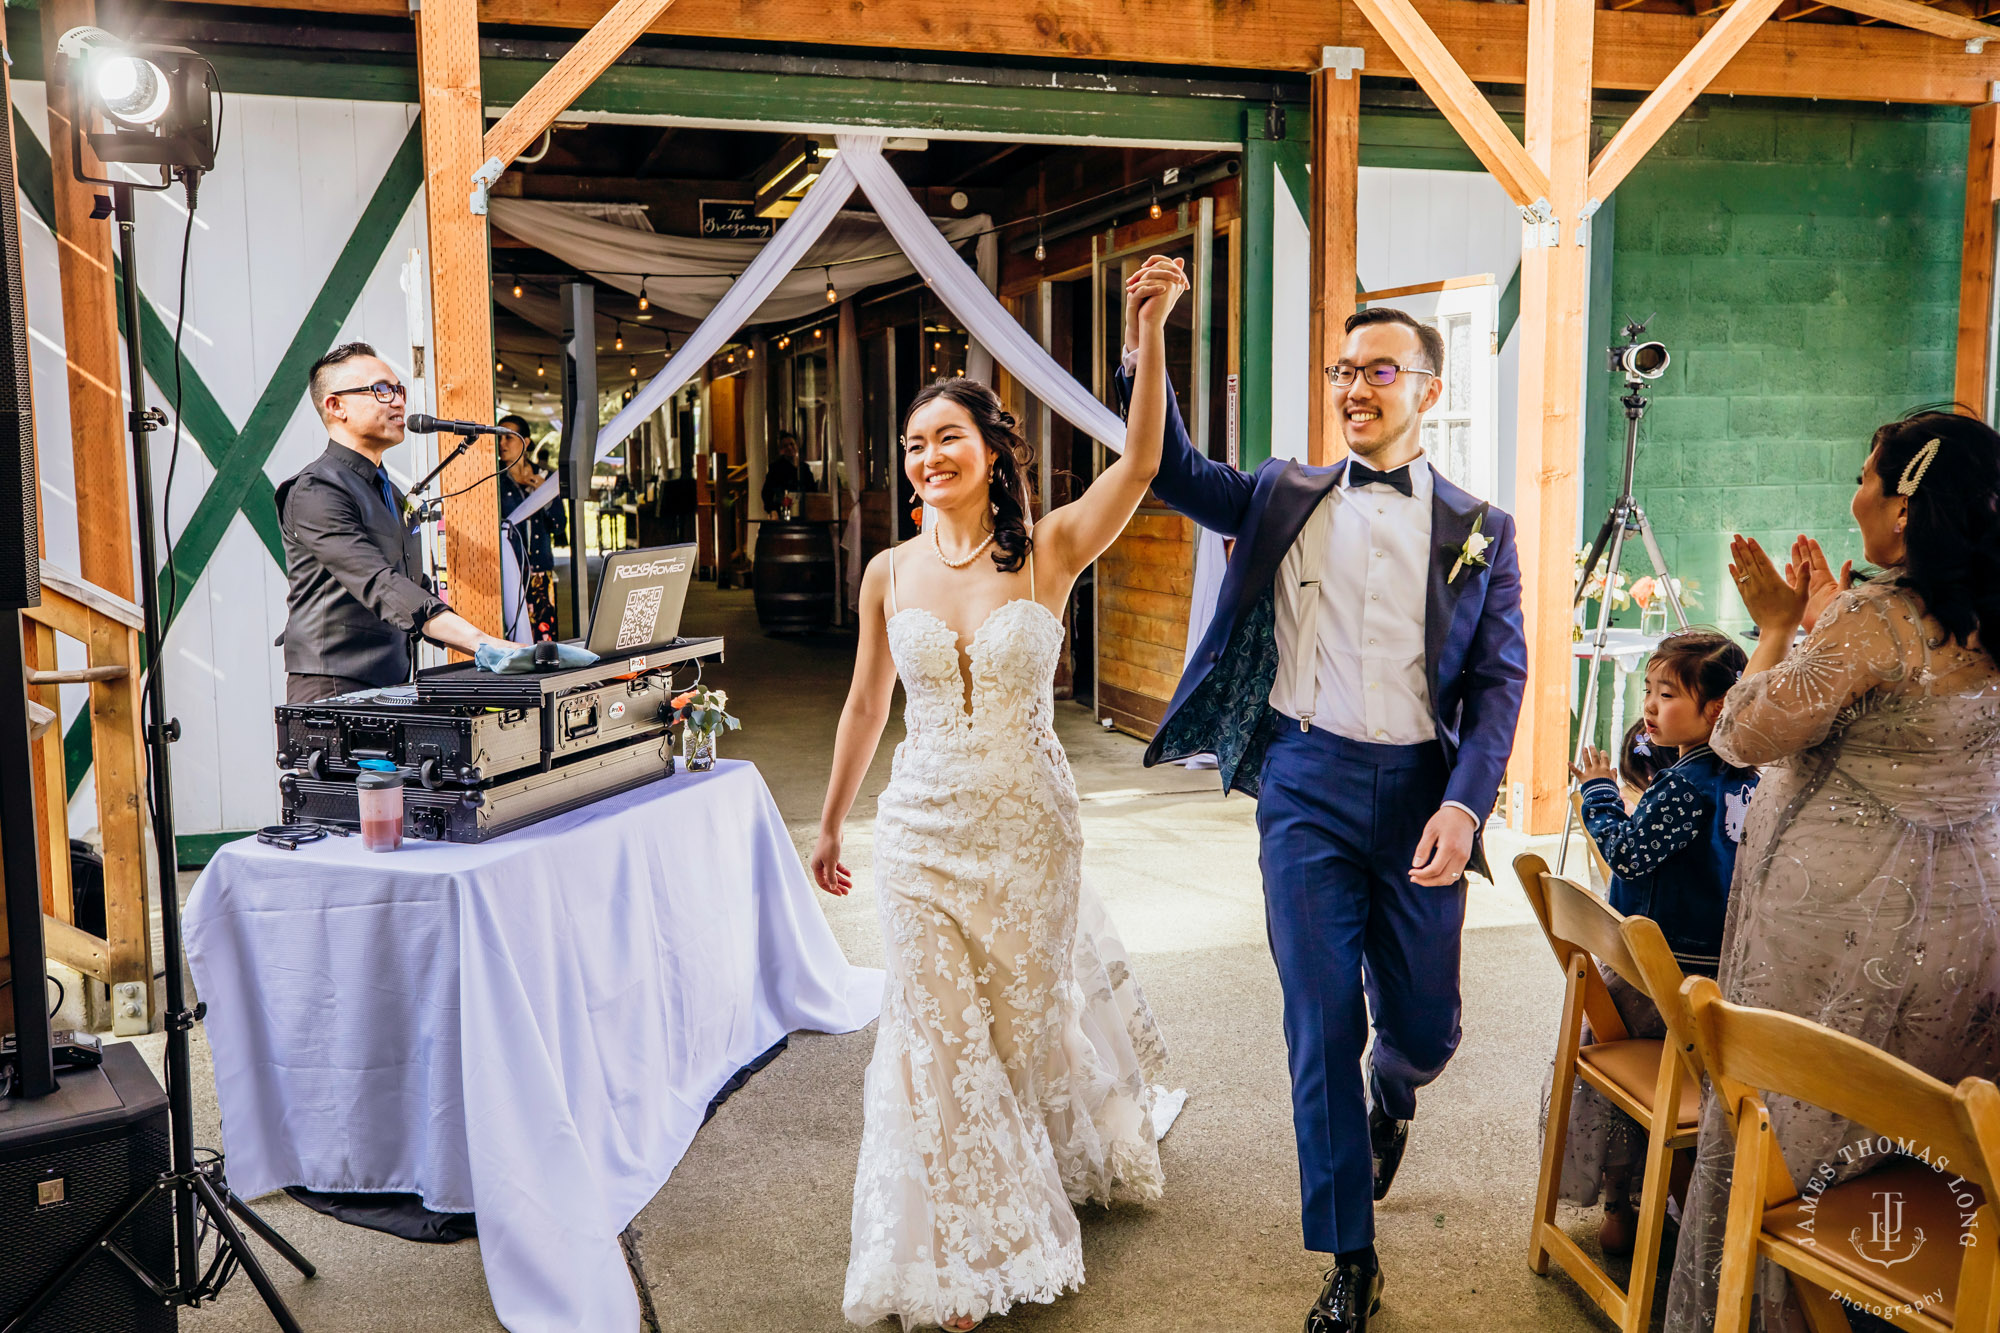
(1802, 259)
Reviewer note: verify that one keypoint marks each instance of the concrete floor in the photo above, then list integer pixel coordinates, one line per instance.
(752, 1230)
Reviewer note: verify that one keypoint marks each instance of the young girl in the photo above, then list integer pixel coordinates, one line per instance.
(1671, 859)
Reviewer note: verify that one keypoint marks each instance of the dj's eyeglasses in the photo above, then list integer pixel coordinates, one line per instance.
(383, 391)
(1381, 375)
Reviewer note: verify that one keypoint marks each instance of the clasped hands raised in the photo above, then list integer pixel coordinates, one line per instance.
(1782, 603)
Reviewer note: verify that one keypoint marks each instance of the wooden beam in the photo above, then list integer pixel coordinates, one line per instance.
(1554, 299)
(1336, 177)
(552, 94)
(454, 121)
(1636, 49)
(94, 365)
(78, 950)
(118, 768)
(1433, 66)
(1425, 288)
(1923, 18)
(1975, 273)
(1664, 105)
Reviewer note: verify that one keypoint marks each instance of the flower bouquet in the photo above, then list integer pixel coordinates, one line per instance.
(704, 715)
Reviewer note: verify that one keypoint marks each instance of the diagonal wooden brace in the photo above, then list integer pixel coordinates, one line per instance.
(1458, 98)
(552, 94)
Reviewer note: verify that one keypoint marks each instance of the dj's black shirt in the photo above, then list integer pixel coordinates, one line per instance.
(358, 593)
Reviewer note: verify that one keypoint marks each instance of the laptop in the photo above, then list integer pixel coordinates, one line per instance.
(640, 595)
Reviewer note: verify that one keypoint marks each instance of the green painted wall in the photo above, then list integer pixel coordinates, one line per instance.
(1803, 261)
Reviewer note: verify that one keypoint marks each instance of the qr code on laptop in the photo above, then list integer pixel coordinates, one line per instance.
(642, 613)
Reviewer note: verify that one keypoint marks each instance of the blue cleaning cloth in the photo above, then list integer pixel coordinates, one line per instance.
(516, 661)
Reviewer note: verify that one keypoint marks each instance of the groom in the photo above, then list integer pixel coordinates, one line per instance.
(1361, 678)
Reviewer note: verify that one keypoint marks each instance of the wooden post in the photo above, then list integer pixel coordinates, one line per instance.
(1336, 172)
(461, 294)
(98, 441)
(1554, 298)
(1975, 273)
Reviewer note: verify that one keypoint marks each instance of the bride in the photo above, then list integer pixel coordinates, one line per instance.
(1014, 1063)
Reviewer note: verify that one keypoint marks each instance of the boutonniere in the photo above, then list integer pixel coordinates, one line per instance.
(1472, 555)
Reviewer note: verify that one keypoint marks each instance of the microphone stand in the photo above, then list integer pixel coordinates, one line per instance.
(423, 511)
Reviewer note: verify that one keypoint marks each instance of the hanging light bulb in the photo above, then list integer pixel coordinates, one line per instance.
(831, 295)
(618, 343)
(820, 332)
(517, 291)
(540, 371)
(730, 359)
(633, 369)
(499, 366)
(934, 369)
(1041, 250)
(644, 304)
(1154, 212)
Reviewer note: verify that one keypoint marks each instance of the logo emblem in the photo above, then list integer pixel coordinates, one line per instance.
(1887, 1245)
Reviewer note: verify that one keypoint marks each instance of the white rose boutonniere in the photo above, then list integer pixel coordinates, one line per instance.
(1472, 555)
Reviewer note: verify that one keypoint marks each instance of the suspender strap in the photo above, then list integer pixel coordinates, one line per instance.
(1305, 647)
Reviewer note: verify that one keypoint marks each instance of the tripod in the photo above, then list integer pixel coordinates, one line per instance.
(199, 1191)
(1626, 517)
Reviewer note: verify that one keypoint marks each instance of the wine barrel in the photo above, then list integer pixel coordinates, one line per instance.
(795, 576)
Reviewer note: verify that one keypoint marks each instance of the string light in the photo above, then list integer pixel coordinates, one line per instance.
(633, 369)
(499, 366)
(1154, 212)
(751, 353)
(819, 332)
(540, 372)
(784, 342)
(1041, 251)
(729, 360)
(618, 343)
(644, 304)
(517, 291)
(831, 295)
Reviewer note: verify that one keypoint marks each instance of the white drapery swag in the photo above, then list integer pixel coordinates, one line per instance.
(860, 162)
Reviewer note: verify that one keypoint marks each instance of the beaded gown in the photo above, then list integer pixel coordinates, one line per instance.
(1016, 1061)
(1867, 889)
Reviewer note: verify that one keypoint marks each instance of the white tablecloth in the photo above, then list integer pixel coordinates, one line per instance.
(529, 1029)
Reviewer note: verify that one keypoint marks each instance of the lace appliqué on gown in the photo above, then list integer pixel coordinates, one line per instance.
(1016, 1061)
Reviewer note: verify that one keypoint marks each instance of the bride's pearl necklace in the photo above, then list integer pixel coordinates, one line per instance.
(948, 562)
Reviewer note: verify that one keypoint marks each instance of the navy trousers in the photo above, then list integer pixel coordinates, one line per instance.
(1340, 821)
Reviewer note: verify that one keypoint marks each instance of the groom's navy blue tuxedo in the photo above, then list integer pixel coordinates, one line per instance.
(1340, 818)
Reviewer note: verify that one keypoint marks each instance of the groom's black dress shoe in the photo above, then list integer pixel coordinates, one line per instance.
(1387, 1138)
(1353, 1292)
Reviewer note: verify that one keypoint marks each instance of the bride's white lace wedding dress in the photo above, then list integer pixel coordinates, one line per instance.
(1016, 1064)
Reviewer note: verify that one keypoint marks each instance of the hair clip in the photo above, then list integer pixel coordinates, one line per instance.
(1913, 472)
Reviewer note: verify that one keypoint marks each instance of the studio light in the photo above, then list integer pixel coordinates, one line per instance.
(157, 101)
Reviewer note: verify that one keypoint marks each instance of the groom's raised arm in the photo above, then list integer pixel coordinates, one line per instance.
(1213, 494)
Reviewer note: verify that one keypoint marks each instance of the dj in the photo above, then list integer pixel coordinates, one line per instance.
(358, 597)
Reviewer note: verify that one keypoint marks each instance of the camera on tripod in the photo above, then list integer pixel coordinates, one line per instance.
(1637, 359)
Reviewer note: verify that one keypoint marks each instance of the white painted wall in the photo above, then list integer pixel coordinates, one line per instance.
(291, 180)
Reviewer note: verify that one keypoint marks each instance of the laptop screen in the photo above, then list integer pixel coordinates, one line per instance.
(640, 595)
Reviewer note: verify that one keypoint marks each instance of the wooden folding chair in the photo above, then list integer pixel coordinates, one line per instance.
(1648, 1079)
(1597, 861)
(1913, 1241)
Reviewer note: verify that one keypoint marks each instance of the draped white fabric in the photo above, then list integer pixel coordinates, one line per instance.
(853, 431)
(776, 259)
(966, 296)
(696, 271)
(956, 284)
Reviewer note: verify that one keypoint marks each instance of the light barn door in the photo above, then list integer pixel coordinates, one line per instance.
(1461, 434)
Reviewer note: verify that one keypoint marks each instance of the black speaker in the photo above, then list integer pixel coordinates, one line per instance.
(20, 545)
(69, 1163)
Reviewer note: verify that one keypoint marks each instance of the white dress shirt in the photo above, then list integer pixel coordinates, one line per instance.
(1371, 679)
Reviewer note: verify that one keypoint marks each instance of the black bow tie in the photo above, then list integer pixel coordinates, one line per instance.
(1360, 474)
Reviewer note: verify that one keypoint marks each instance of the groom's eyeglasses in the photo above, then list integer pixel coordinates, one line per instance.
(1381, 375)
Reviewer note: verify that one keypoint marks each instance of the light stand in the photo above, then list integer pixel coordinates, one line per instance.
(199, 1191)
(1638, 362)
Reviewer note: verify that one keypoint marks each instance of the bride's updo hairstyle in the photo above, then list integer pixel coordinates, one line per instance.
(1952, 536)
(1011, 542)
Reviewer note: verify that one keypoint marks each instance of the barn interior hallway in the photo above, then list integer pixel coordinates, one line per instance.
(752, 1230)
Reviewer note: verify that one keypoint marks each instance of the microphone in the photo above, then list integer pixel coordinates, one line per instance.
(426, 425)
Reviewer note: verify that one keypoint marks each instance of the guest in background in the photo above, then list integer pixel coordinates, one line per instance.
(1866, 898)
(535, 537)
(1672, 859)
(781, 477)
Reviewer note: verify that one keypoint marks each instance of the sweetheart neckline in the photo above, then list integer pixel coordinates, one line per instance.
(969, 709)
(974, 638)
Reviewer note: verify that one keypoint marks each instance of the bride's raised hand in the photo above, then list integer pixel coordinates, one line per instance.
(1153, 278)
(827, 870)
